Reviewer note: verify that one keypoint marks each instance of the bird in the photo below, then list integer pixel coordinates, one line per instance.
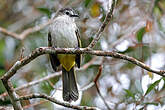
(64, 33)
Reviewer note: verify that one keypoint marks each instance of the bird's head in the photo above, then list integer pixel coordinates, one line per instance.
(68, 12)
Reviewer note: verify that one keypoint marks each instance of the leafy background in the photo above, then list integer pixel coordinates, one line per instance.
(137, 30)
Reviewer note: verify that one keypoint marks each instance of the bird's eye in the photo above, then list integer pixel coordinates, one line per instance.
(67, 13)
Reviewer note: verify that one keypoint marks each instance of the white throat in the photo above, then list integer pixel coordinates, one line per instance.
(65, 18)
(63, 32)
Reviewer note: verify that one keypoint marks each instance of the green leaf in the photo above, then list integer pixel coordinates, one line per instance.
(2, 49)
(164, 82)
(157, 12)
(140, 33)
(161, 28)
(152, 86)
(45, 11)
(87, 2)
(2, 88)
(151, 103)
(2, 72)
(129, 93)
(163, 79)
(45, 87)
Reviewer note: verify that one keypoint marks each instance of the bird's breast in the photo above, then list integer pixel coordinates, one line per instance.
(63, 34)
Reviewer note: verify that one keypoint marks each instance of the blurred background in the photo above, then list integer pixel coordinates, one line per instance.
(137, 29)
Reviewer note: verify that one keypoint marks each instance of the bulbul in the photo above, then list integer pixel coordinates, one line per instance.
(63, 33)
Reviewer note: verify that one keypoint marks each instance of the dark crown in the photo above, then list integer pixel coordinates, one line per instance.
(69, 11)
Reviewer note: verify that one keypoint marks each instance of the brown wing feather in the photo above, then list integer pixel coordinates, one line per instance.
(53, 57)
(78, 56)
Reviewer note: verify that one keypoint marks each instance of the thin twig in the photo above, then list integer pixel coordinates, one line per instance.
(98, 74)
(85, 66)
(101, 96)
(49, 77)
(35, 95)
(34, 29)
(12, 34)
(86, 87)
(33, 83)
(39, 81)
(22, 53)
(35, 104)
(97, 87)
(101, 29)
(26, 32)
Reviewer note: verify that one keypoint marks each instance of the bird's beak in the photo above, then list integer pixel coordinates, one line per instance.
(75, 15)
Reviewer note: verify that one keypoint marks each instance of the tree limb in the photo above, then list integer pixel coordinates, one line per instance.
(35, 95)
(26, 32)
(12, 34)
(34, 29)
(47, 50)
(12, 95)
(32, 83)
(97, 87)
(108, 17)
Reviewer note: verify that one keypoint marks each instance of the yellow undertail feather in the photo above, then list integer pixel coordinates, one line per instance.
(67, 60)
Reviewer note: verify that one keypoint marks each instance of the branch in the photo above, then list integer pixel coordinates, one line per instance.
(98, 74)
(97, 87)
(31, 96)
(12, 34)
(26, 32)
(12, 94)
(38, 81)
(34, 29)
(32, 83)
(35, 104)
(86, 87)
(47, 50)
(85, 66)
(101, 29)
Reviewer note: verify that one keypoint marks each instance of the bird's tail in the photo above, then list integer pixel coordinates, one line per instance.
(70, 91)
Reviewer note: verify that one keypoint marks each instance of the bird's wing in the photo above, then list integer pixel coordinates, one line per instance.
(53, 57)
(78, 56)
